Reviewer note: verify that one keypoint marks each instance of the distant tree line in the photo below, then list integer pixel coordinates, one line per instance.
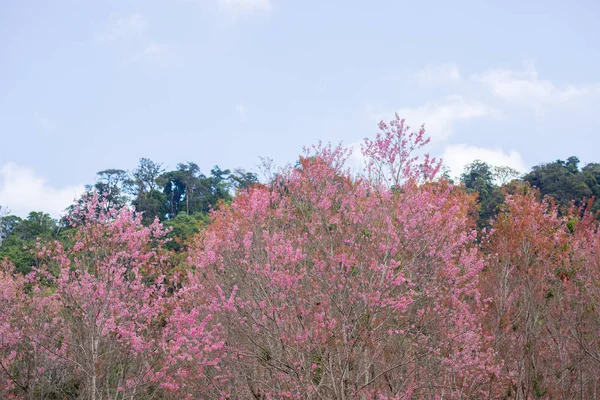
(157, 193)
(180, 198)
(563, 181)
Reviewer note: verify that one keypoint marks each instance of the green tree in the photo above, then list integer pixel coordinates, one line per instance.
(193, 181)
(183, 227)
(187, 189)
(20, 236)
(220, 184)
(144, 178)
(591, 176)
(173, 187)
(110, 184)
(479, 177)
(562, 180)
(503, 175)
(151, 204)
(242, 179)
(143, 185)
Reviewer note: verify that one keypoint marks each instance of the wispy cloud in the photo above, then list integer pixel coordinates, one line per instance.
(438, 74)
(237, 7)
(489, 94)
(130, 36)
(245, 6)
(46, 125)
(525, 88)
(22, 191)
(440, 118)
(242, 112)
(131, 29)
(154, 48)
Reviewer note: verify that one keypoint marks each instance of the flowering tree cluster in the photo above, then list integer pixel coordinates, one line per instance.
(100, 320)
(334, 287)
(316, 285)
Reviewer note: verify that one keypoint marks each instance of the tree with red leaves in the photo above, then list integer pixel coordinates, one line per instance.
(541, 276)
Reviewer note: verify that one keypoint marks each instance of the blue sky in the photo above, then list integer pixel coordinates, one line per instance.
(90, 85)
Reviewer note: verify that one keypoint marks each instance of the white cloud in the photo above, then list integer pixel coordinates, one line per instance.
(438, 74)
(242, 112)
(439, 118)
(23, 191)
(245, 6)
(356, 161)
(525, 88)
(492, 94)
(456, 156)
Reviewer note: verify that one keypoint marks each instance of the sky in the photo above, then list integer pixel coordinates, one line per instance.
(91, 85)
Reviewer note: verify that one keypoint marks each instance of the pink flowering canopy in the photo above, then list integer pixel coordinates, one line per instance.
(100, 320)
(319, 284)
(334, 287)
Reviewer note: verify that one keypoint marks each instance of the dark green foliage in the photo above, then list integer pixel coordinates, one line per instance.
(19, 237)
(478, 177)
(243, 180)
(156, 193)
(143, 185)
(591, 176)
(190, 191)
(144, 178)
(183, 226)
(563, 181)
(152, 205)
(174, 188)
(110, 184)
(220, 187)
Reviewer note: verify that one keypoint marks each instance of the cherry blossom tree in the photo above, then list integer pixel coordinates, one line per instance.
(101, 319)
(335, 287)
